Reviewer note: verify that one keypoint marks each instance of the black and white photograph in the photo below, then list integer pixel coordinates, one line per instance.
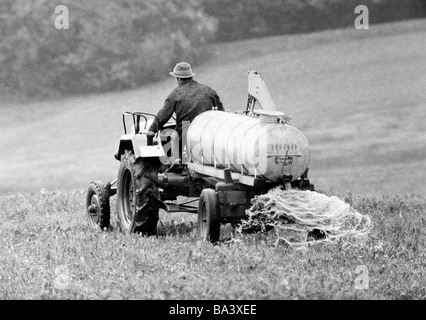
(211, 156)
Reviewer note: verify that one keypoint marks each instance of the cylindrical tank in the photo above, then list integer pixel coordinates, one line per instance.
(262, 146)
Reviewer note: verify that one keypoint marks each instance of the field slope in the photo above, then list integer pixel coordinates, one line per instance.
(358, 95)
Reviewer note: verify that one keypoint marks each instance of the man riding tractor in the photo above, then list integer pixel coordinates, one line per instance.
(187, 101)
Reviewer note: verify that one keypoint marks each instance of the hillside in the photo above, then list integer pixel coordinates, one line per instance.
(358, 95)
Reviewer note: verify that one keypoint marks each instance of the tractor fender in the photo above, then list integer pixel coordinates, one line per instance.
(125, 144)
(138, 144)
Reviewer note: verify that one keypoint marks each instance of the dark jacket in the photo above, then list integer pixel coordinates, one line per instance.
(188, 100)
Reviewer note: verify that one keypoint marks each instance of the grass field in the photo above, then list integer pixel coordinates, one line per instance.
(359, 97)
(43, 234)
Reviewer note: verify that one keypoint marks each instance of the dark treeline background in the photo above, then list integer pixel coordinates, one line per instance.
(121, 44)
(241, 19)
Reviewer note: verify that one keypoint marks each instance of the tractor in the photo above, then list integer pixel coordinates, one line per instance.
(229, 158)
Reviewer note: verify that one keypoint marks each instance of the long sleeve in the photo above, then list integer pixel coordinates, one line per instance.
(217, 101)
(163, 115)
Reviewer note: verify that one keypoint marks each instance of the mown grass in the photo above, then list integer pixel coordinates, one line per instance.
(43, 231)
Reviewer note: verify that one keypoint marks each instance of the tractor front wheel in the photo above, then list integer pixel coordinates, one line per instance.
(208, 216)
(97, 205)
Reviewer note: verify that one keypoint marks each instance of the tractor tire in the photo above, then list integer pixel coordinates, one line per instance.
(97, 205)
(138, 200)
(208, 216)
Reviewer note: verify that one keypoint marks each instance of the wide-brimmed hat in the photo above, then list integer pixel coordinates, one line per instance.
(182, 70)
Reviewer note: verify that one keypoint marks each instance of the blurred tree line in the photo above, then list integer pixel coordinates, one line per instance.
(110, 45)
(120, 44)
(241, 19)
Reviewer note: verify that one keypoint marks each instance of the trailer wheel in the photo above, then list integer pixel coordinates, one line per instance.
(97, 205)
(137, 195)
(208, 216)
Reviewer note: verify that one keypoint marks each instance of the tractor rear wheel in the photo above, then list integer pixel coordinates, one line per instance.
(137, 195)
(126, 196)
(208, 216)
(97, 205)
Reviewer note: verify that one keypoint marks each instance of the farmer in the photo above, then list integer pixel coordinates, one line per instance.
(188, 100)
